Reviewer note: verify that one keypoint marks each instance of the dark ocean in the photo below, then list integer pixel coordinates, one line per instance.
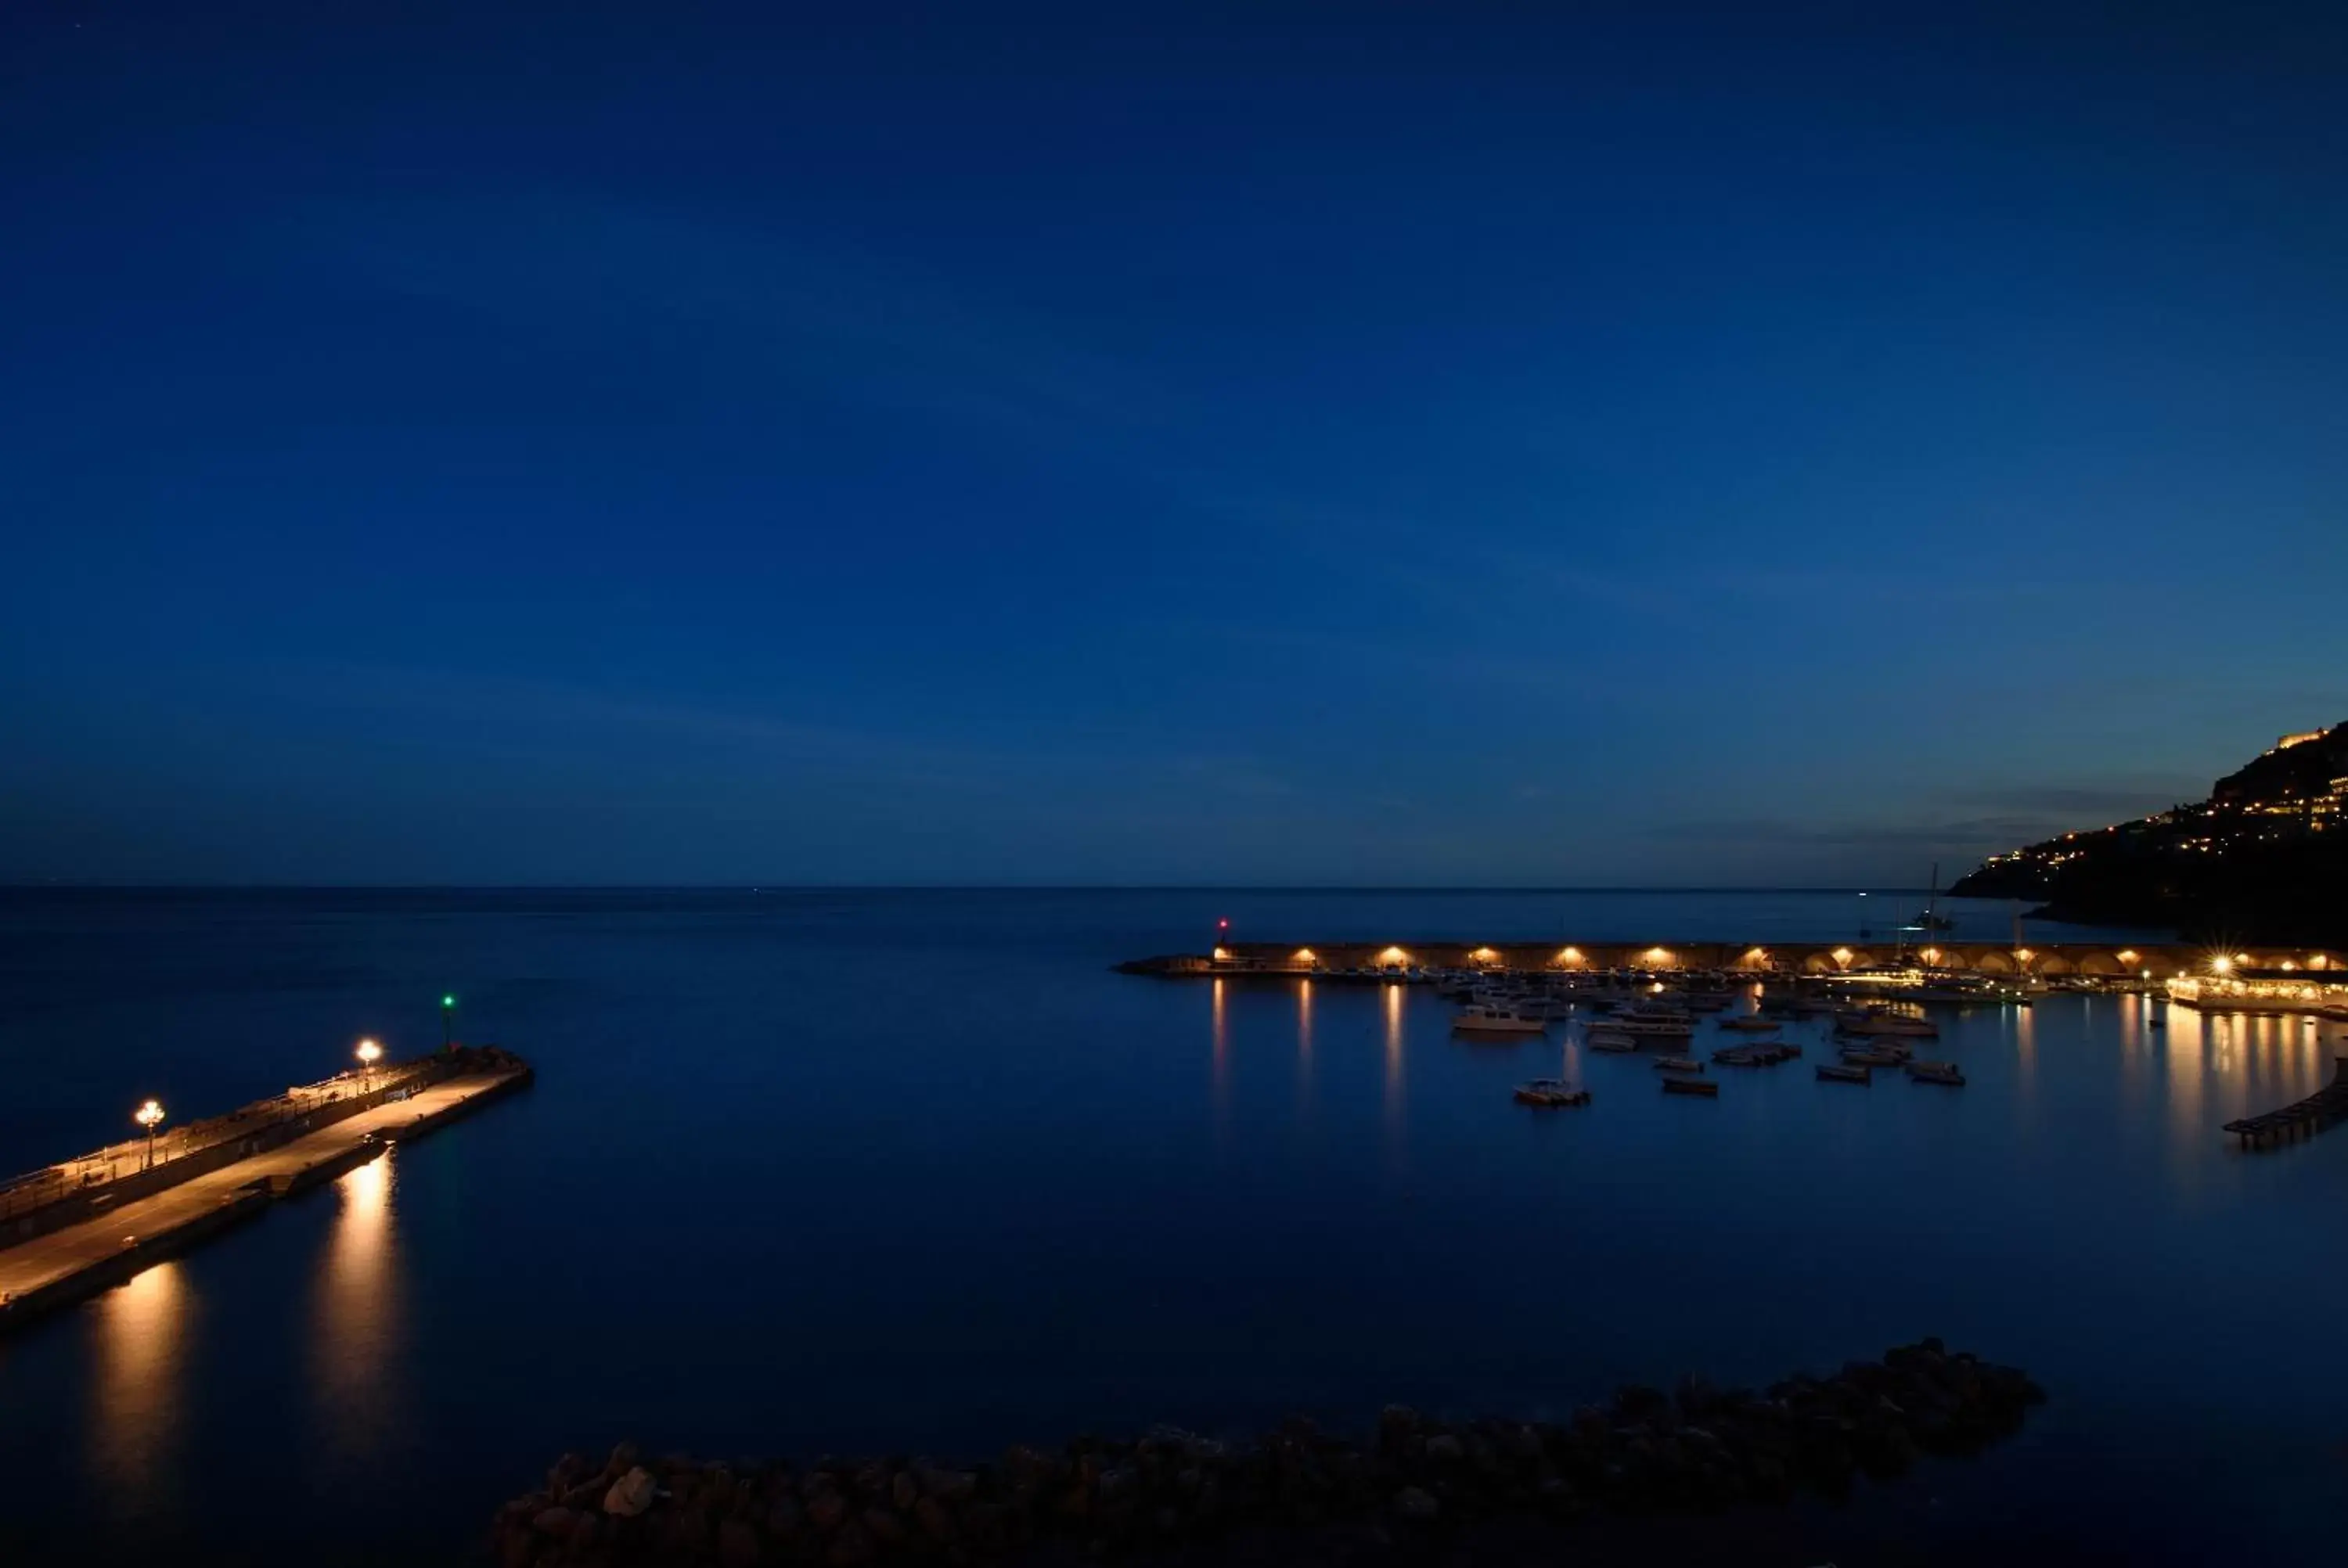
(825, 1170)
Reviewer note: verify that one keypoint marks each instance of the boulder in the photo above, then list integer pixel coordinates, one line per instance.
(1412, 1506)
(950, 1485)
(631, 1493)
(887, 1531)
(738, 1545)
(935, 1520)
(555, 1521)
(852, 1548)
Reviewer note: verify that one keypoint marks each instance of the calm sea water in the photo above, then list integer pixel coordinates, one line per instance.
(839, 1171)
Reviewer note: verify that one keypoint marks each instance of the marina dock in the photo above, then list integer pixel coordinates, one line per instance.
(58, 1265)
(2312, 1114)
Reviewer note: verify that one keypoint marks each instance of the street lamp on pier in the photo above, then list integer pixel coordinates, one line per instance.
(367, 1053)
(150, 1116)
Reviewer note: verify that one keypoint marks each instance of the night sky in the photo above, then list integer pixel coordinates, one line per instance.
(1448, 443)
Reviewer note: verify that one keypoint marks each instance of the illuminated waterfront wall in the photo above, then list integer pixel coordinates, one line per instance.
(2157, 961)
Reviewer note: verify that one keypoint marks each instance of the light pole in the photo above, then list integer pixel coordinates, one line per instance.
(447, 1022)
(1862, 917)
(150, 1116)
(367, 1053)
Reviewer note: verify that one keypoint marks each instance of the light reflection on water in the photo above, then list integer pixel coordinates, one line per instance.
(1394, 1091)
(137, 1396)
(357, 1313)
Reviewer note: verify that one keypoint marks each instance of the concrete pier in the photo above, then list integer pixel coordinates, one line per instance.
(73, 1262)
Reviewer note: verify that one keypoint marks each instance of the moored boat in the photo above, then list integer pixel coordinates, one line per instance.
(1750, 1024)
(1552, 1091)
(1845, 1072)
(1678, 1065)
(1936, 1072)
(1498, 1022)
(1702, 1086)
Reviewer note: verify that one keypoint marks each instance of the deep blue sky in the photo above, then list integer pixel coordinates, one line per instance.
(1509, 444)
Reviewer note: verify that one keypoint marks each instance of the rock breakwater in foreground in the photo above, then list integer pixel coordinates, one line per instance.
(1412, 1483)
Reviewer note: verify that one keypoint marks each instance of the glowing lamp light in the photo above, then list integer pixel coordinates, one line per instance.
(1222, 955)
(2025, 954)
(2221, 965)
(1307, 956)
(1484, 955)
(1931, 955)
(148, 1115)
(2128, 955)
(1568, 955)
(1394, 956)
(1842, 955)
(1658, 954)
(368, 1053)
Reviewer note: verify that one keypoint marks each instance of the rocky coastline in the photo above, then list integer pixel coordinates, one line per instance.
(1407, 1490)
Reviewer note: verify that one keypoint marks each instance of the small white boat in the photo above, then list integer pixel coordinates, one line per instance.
(1638, 1028)
(1484, 1018)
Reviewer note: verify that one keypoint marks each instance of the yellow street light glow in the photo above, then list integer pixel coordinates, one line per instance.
(368, 1051)
(1931, 955)
(1221, 954)
(2128, 955)
(2222, 964)
(1568, 955)
(1484, 955)
(1394, 956)
(1842, 955)
(148, 1115)
(1658, 954)
(2025, 954)
(1307, 956)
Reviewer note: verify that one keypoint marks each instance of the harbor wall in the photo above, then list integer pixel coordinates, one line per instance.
(2117, 960)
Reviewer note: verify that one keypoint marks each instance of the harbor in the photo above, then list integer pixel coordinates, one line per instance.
(91, 1223)
(1878, 1002)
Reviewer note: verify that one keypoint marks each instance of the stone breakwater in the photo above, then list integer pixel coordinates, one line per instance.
(1415, 1482)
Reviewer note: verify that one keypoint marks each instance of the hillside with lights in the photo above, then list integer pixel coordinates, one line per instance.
(2264, 858)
